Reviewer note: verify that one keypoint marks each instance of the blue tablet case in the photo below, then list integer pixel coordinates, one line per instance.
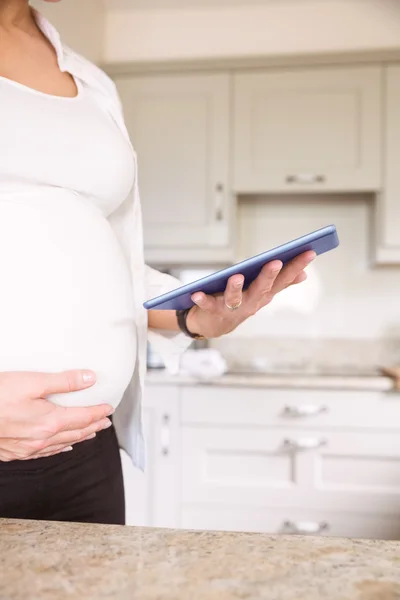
(320, 241)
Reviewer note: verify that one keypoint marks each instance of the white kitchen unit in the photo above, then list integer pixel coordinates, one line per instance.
(153, 498)
(388, 202)
(288, 460)
(332, 128)
(324, 462)
(311, 130)
(180, 127)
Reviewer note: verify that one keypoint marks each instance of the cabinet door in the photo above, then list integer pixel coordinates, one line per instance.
(179, 125)
(152, 498)
(388, 205)
(241, 466)
(271, 467)
(308, 130)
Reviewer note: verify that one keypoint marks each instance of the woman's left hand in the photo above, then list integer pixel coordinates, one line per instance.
(214, 316)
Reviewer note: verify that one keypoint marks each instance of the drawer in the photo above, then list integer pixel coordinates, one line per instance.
(318, 409)
(261, 467)
(275, 520)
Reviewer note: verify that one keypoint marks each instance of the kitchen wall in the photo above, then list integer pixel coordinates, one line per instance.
(273, 27)
(80, 23)
(346, 297)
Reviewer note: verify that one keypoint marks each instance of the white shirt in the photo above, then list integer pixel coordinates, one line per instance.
(67, 297)
(70, 224)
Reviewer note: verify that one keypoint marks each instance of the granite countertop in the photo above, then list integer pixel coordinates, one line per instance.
(279, 380)
(57, 561)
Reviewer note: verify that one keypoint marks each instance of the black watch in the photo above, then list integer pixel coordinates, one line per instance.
(181, 316)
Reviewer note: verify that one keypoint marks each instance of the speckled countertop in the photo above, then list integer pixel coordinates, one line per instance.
(287, 381)
(60, 561)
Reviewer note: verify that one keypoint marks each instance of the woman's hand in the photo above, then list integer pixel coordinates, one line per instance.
(33, 427)
(214, 316)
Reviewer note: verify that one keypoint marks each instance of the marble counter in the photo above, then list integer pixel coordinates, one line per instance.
(321, 382)
(55, 561)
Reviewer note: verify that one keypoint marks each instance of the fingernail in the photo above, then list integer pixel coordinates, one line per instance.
(88, 377)
(239, 283)
(90, 437)
(111, 412)
(198, 299)
(108, 424)
(68, 449)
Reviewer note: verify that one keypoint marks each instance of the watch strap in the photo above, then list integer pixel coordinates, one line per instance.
(181, 316)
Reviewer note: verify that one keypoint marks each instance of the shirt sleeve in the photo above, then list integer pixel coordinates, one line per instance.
(147, 282)
(169, 344)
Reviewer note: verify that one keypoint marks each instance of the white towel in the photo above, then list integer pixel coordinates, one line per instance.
(207, 363)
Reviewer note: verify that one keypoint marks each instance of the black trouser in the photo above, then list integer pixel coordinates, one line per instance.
(83, 485)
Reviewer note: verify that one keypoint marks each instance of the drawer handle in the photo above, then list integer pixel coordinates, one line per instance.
(305, 443)
(305, 527)
(306, 410)
(306, 178)
(165, 435)
(219, 202)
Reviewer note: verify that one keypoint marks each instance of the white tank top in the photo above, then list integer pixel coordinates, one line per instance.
(66, 298)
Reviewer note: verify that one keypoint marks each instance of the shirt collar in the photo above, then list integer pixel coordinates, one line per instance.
(84, 70)
(52, 35)
(67, 60)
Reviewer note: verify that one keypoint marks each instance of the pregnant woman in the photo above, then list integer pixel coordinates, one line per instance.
(73, 330)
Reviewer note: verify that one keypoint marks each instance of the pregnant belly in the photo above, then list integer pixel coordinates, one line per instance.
(66, 296)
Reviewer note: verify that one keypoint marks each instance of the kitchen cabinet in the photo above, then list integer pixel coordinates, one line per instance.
(388, 202)
(320, 462)
(291, 461)
(205, 137)
(152, 498)
(180, 127)
(311, 130)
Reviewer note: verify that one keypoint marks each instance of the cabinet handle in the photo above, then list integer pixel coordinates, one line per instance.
(219, 202)
(305, 527)
(165, 435)
(306, 178)
(305, 443)
(306, 410)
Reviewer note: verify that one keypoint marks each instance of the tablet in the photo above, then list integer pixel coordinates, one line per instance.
(320, 241)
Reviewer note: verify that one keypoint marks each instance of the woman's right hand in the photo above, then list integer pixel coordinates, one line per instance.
(31, 426)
